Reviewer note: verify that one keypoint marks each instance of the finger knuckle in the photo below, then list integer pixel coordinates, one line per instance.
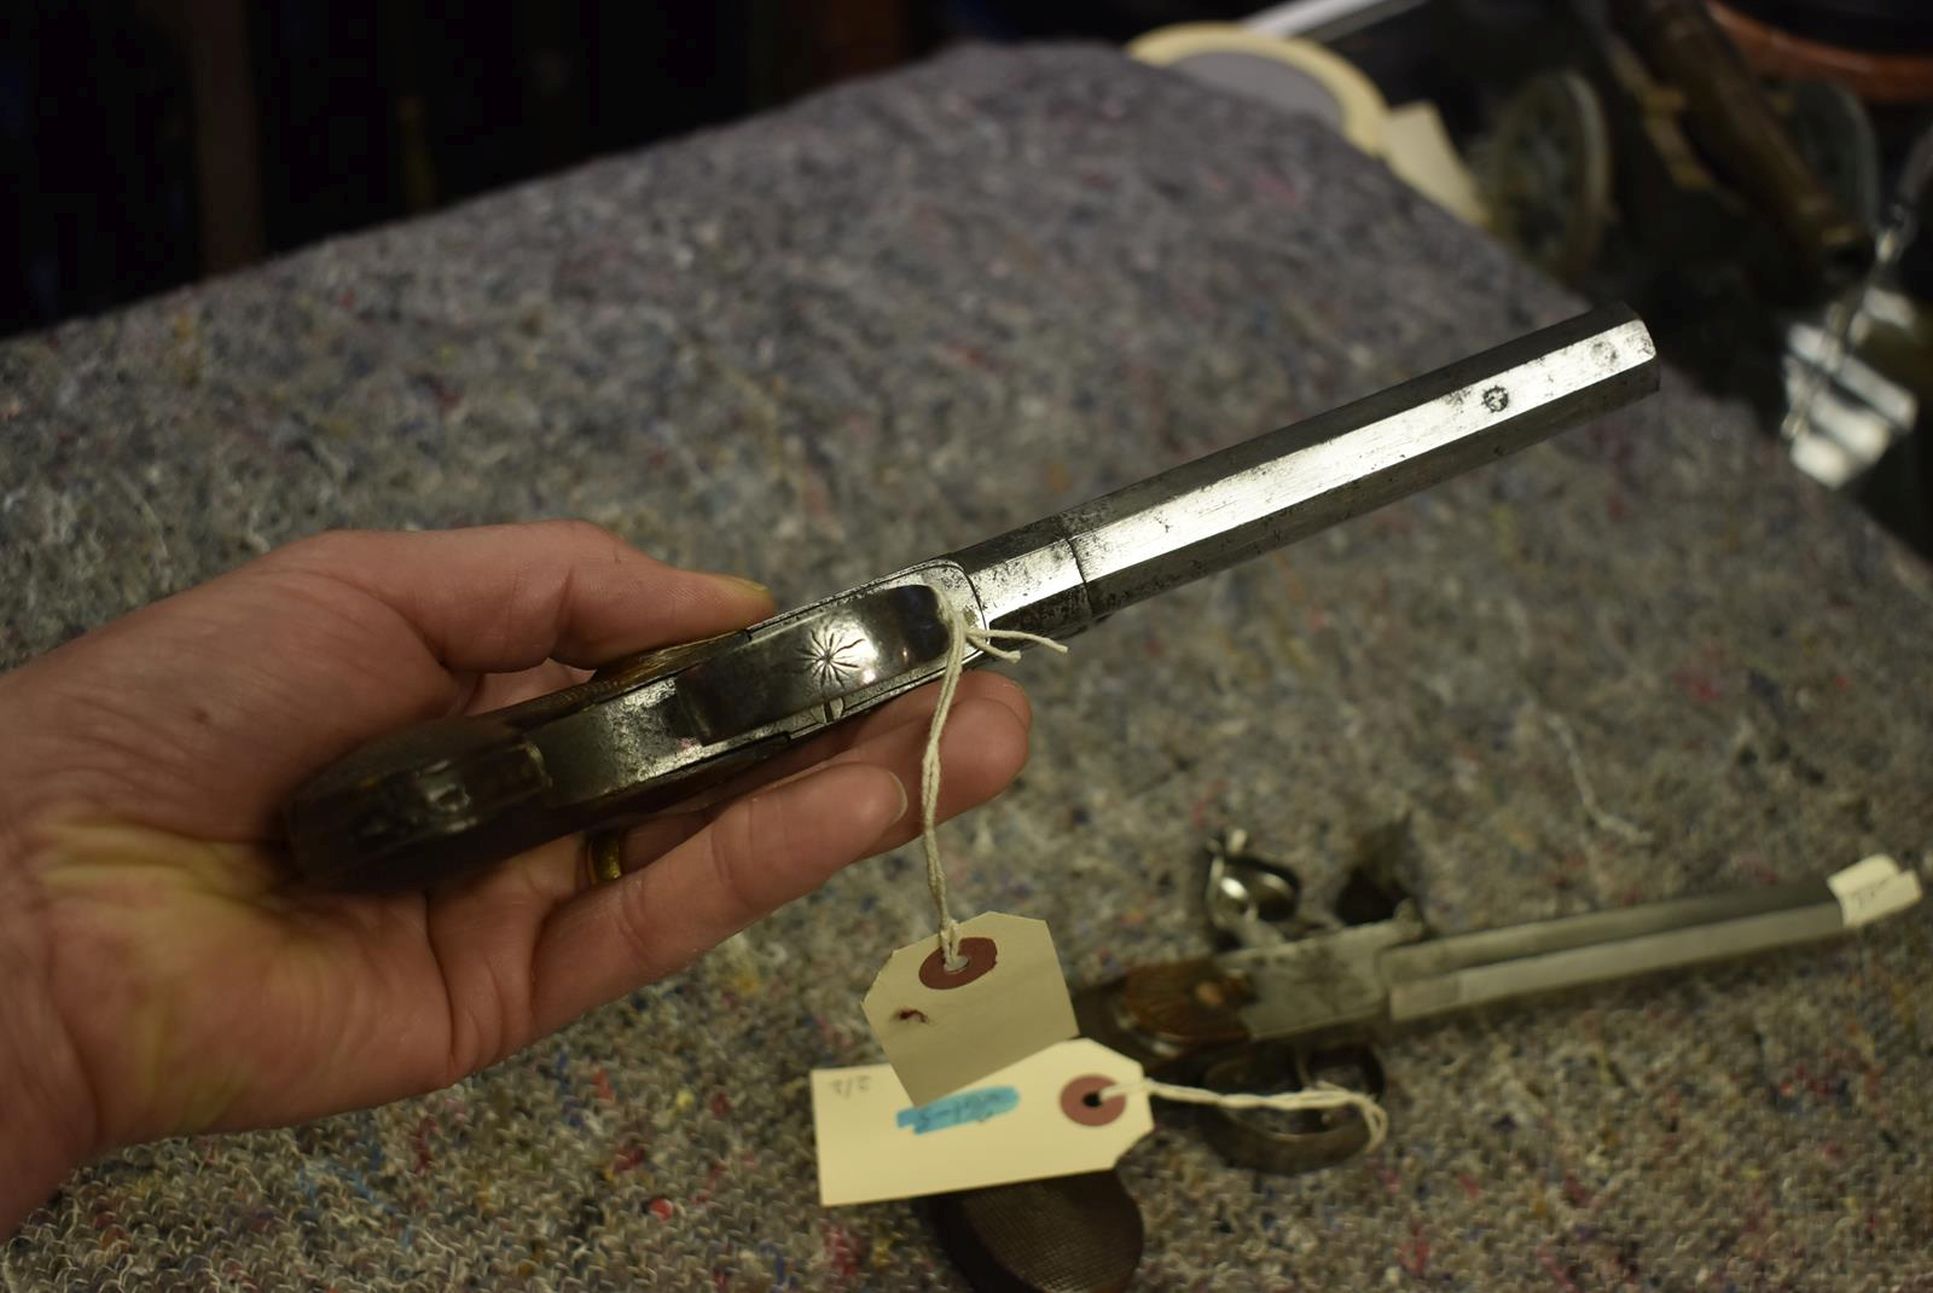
(325, 550)
(631, 924)
(577, 532)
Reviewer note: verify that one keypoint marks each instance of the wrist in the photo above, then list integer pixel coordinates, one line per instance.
(32, 1167)
(46, 1119)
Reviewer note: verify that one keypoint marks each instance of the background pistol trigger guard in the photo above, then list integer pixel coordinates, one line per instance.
(1291, 1143)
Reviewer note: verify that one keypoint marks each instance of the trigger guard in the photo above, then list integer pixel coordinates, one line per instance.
(1289, 1143)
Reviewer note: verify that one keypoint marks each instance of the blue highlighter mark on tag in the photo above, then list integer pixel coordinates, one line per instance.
(955, 1110)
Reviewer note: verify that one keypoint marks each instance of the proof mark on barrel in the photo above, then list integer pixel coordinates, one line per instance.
(1496, 399)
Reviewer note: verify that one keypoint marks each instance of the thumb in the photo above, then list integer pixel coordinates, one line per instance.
(506, 597)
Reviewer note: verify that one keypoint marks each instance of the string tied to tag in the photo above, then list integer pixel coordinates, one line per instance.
(1319, 1098)
(960, 636)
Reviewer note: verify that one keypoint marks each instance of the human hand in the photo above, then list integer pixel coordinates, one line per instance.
(157, 978)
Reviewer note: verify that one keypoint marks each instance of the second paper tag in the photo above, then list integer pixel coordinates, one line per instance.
(1044, 1116)
(942, 1030)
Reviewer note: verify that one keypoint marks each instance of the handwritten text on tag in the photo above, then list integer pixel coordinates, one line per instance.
(1040, 1117)
(1873, 889)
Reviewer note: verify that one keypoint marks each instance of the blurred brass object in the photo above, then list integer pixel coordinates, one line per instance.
(1728, 113)
(1732, 207)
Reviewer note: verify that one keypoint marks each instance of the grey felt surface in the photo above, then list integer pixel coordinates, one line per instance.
(903, 316)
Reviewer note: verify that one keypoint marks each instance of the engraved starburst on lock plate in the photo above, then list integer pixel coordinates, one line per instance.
(832, 658)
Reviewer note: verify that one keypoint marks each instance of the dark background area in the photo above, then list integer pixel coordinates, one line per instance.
(150, 142)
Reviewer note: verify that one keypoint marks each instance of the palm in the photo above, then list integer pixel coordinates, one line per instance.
(197, 991)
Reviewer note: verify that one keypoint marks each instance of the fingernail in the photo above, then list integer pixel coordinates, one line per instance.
(751, 586)
(904, 802)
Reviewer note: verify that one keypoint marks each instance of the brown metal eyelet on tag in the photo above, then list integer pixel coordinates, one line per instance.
(1075, 1103)
(980, 954)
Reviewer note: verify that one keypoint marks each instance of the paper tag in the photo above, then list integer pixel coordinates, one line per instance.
(1027, 1121)
(1873, 889)
(942, 1031)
